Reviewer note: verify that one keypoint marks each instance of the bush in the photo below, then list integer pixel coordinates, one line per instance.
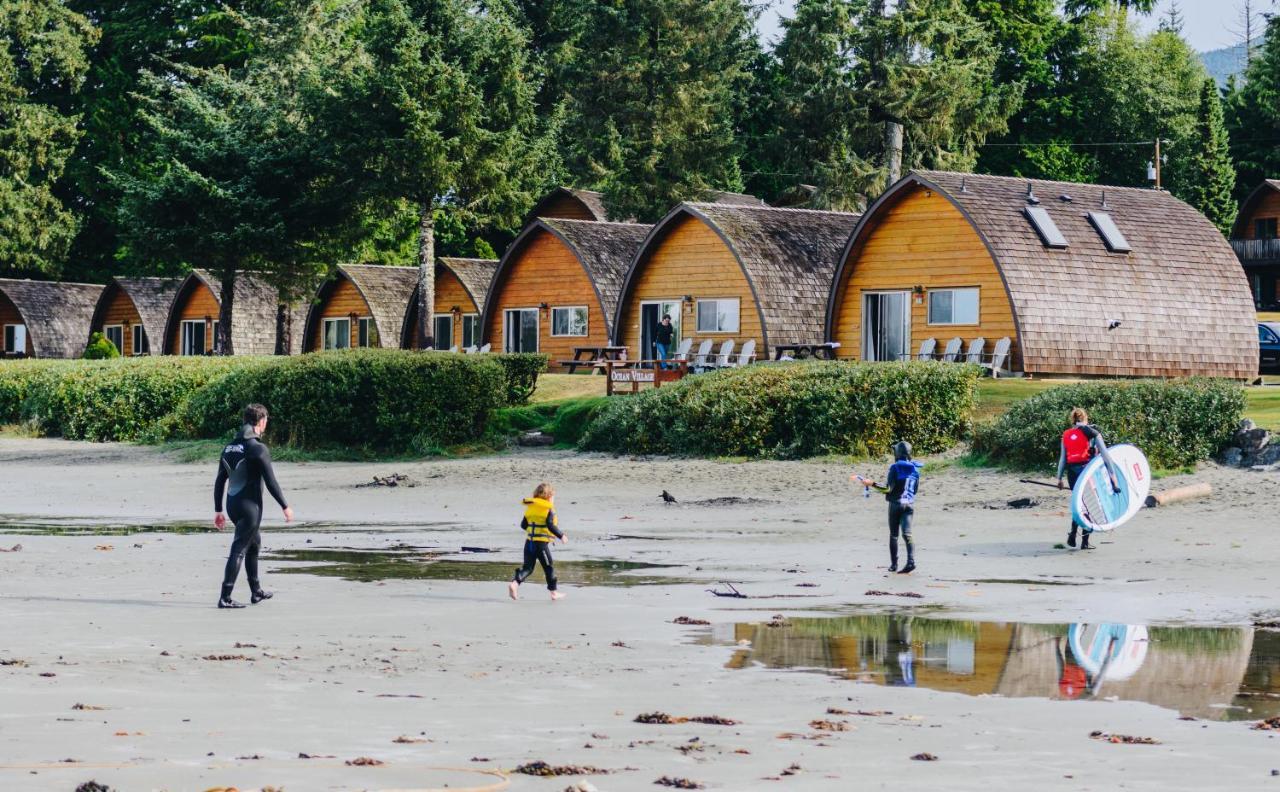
(793, 410)
(521, 372)
(1175, 423)
(100, 348)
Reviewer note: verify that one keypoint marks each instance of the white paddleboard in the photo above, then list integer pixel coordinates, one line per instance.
(1099, 507)
(1115, 651)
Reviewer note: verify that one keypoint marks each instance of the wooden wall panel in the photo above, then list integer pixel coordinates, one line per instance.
(566, 207)
(546, 270)
(923, 241)
(1267, 206)
(343, 300)
(121, 311)
(198, 303)
(449, 292)
(9, 316)
(692, 260)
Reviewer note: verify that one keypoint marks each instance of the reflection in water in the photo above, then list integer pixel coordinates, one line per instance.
(1207, 672)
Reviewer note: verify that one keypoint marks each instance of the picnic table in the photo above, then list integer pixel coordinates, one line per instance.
(593, 357)
(825, 351)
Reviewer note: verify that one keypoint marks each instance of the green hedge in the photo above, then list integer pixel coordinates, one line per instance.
(367, 399)
(793, 410)
(521, 372)
(1176, 422)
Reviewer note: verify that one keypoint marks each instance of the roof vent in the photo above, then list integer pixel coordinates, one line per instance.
(1045, 227)
(1104, 200)
(1109, 232)
(1065, 198)
(964, 186)
(1031, 196)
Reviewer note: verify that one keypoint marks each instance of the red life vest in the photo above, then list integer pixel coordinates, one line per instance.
(1078, 444)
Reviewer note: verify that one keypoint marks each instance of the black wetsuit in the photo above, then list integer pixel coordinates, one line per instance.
(538, 551)
(244, 467)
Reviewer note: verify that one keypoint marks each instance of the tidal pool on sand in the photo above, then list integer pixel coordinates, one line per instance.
(1218, 673)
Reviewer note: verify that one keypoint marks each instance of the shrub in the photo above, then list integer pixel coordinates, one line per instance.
(100, 348)
(793, 411)
(521, 373)
(1175, 423)
(17, 377)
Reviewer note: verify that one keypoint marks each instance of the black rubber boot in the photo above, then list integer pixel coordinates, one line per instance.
(1071, 537)
(1084, 541)
(227, 602)
(893, 555)
(909, 568)
(259, 596)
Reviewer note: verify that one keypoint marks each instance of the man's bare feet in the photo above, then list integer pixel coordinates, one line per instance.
(555, 595)
(513, 588)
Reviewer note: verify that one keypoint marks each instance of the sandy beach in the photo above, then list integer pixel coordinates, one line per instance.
(402, 649)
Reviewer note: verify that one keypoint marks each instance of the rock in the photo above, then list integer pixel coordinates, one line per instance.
(535, 439)
(1233, 457)
(1251, 441)
(1269, 455)
(1247, 426)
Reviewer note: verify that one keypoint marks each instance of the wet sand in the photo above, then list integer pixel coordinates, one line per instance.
(472, 682)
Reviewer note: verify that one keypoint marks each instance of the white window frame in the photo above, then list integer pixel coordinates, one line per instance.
(537, 318)
(19, 339)
(106, 333)
(183, 347)
(697, 316)
(928, 306)
(586, 321)
(442, 345)
(324, 332)
(139, 340)
(472, 319)
(365, 332)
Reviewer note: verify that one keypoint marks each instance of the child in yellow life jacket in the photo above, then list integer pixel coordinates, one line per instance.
(540, 528)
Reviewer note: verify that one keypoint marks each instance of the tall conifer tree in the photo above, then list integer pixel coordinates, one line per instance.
(1208, 179)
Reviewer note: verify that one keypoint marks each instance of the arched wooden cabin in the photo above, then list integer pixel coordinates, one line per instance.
(255, 318)
(740, 272)
(461, 287)
(557, 286)
(568, 203)
(1084, 279)
(44, 319)
(1256, 240)
(131, 311)
(361, 306)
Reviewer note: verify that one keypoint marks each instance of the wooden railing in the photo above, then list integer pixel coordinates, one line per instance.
(1256, 249)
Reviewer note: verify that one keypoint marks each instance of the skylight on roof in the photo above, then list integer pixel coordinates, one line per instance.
(1045, 227)
(1115, 240)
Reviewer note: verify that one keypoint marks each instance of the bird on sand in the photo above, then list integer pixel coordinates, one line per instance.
(668, 497)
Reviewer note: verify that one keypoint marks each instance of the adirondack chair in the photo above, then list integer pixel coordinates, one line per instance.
(952, 351)
(471, 350)
(726, 352)
(702, 359)
(454, 349)
(997, 361)
(927, 348)
(485, 348)
(747, 355)
(974, 355)
(682, 351)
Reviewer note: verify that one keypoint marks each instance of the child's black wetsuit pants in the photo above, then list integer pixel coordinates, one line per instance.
(538, 553)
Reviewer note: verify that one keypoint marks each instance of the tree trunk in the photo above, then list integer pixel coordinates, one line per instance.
(426, 275)
(892, 153)
(284, 329)
(226, 303)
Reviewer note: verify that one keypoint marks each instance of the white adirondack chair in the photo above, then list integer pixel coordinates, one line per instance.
(485, 348)
(974, 355)
(471, 350)
(747, 355)
(997, 361)
(927, 348)
(454, 349)
(952, 351)
(726, 352)
(682, 351)
(701, 360)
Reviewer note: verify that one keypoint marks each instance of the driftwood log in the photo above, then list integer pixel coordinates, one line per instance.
(1179, 494)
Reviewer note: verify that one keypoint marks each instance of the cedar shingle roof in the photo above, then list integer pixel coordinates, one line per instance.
(387, 291)
(57, 315)
(474, 273)
(605, 250)
(787, 255)
(151, 297)
(1180, 296)
(591, 201)
(253, 314)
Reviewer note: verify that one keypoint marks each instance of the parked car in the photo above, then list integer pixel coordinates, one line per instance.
(1268, 346)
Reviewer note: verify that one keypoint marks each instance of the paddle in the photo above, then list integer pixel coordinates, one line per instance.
(1053, 484)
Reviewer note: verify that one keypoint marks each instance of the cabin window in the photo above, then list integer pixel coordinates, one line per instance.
(1264, 228)
(366, 333)
(520, 330)
(718, 316)
(444, 331)
(337, 333)
(15, 339)
(953, 306)
(115, 334)
(140, 345)
(193, 341)
(470, 330)
(570, 321)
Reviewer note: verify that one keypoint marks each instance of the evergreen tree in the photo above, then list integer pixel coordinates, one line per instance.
(1253, 115)
(1208, 180)
(42, 62)
(654, 94)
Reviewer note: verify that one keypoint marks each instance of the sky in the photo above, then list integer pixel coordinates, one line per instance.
(1210, 24)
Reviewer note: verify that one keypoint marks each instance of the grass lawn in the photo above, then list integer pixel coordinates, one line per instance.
(559, 387)
(1269, 316)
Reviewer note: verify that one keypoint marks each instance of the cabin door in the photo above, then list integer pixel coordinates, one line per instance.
(520, 330)
(886, 325)
(651, 314)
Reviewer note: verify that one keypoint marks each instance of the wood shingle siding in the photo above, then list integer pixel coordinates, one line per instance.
(1179, 296)
(777, 262)
(564, 264)
(56, 315)
(135, 303)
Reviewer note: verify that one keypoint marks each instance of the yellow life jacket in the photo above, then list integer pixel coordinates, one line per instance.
(537, 515)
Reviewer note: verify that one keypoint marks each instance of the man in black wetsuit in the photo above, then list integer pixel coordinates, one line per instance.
(245, 466)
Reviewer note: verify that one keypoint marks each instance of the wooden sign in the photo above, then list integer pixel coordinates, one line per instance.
(632, 375)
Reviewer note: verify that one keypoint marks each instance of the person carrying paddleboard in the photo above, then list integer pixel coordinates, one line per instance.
(1081, 442)
(900, 487)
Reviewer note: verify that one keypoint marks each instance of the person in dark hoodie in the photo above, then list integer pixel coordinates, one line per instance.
(900, 487)
(245, 466)
(541, 528)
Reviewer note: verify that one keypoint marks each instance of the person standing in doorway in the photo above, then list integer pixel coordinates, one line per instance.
(1081, 442)
(663, 337)
(244, 468)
